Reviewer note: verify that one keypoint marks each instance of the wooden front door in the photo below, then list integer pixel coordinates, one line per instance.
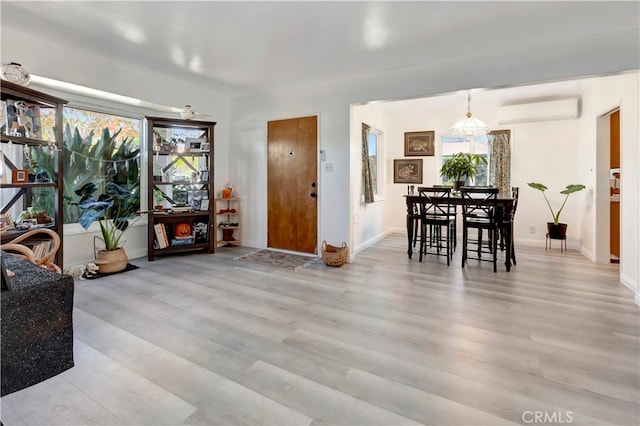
(292, 173)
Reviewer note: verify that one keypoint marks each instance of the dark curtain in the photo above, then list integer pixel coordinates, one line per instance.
(367, 178)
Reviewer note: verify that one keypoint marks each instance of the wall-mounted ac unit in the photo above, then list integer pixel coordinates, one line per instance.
(560, 109)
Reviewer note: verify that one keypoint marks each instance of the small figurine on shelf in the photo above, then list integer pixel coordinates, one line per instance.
(187, 112)
(24, 120)
(227, 192)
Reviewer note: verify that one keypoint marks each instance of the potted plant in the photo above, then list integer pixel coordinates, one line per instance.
(460, 167)
(112, 212)
(556, 229)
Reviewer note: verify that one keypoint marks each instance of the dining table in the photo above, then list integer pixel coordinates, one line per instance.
(505, 203)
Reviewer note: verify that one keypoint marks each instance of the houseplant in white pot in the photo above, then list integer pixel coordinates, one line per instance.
(112, 212)
(556, 229)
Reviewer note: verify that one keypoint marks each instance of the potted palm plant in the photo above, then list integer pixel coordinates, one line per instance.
(460, 167)
(112, 212)
(556, 229)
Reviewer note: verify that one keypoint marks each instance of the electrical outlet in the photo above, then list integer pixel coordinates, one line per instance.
(532, 229)
(328, 167)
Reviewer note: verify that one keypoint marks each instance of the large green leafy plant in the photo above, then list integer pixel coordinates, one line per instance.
(570, 189)
(111, 209)
(42, 160)
(108, 160)
(460, 166)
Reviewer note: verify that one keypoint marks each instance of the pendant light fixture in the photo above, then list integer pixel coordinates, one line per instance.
(469, 126)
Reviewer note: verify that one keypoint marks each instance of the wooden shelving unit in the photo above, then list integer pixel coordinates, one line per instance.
(227, 211)
(16, 197)
(181, 156)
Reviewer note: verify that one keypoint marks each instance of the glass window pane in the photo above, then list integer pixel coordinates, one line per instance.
(100, 148)
(372, 140)
(479, 144)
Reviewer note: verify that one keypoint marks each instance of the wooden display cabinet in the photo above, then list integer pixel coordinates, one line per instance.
(23, 129)
(227, 231)
(181, 175)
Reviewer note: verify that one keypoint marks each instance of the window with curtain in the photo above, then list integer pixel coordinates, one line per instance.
(478, 144)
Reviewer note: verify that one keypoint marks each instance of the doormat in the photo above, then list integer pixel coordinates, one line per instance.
(129, 267)
(278, 258)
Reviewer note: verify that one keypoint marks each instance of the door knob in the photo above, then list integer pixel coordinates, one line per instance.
(313, 195)
(313, 184)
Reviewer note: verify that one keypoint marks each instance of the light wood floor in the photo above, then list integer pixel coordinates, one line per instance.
(205, 339)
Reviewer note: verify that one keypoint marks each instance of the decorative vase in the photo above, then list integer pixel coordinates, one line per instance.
(557, 231)
(109, 261)
(457, 184)
(15, 73)
(187, 112)
(227, 235)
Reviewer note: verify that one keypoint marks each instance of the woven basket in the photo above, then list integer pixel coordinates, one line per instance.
(334, 256)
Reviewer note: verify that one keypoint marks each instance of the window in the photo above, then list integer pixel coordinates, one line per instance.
(99, 148)
(374, 142)
(477, 145)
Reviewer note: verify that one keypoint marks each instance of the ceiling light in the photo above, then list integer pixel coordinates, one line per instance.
(15, 73)
(469, 126)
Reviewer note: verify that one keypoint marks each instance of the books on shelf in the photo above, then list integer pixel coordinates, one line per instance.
(161, 235)
(181, 241)
(200, 230)
(185, 209)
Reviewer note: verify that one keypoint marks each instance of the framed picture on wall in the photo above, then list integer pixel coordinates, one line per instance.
(407, 171)
(419, 143)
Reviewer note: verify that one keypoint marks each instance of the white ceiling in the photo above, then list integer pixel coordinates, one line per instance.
(243, 47)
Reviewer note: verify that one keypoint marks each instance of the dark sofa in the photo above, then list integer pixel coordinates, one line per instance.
(36, 324)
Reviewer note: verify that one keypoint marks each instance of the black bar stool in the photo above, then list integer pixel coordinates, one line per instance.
(435, 207)
(479, 212)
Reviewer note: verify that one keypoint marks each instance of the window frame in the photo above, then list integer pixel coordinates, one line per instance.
(111, 107)
(473, 144)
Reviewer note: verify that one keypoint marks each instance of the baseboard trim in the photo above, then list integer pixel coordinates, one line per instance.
(367, 244)
(632, 285)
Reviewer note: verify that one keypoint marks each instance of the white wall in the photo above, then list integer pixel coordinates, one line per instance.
(248, 162)
(371, 222)
(603, 95)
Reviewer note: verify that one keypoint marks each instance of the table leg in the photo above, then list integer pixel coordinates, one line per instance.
(509, 244)
(410, 229)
